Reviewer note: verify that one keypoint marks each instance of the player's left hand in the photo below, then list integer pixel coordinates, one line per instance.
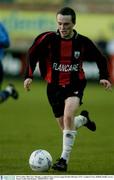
(106, 83)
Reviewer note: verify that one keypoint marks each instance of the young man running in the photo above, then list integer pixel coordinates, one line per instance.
(60, 55)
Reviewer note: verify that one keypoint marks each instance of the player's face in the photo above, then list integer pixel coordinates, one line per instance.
(65, 26)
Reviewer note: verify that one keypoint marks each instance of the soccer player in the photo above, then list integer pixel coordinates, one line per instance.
(10, 90)
(60, 55)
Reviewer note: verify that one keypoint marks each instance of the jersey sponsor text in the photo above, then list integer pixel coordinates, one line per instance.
(65, 67)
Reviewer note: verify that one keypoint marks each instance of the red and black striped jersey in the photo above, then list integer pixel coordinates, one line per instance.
(61, 60)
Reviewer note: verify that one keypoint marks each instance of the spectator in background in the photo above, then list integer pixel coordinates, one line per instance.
(10, 90)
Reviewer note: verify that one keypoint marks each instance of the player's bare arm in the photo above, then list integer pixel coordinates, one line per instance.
(106, 83)
(27, 84)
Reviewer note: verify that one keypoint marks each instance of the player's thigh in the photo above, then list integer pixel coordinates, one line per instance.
(71, 106)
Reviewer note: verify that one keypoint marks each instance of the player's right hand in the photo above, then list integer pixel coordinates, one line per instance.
(107, 85)
(27, 84)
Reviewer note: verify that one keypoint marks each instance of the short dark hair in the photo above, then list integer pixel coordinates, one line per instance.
(68, 11)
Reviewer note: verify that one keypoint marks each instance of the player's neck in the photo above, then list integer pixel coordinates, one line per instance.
(70, 35)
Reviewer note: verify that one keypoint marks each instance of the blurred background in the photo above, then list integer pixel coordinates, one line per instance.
(25, 19)
(29, 124)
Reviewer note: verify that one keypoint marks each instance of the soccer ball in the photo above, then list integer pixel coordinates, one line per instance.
(40, 160)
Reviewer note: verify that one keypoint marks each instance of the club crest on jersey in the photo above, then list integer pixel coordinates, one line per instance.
(77, 54)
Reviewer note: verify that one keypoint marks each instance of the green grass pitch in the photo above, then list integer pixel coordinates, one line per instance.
(28, 124)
